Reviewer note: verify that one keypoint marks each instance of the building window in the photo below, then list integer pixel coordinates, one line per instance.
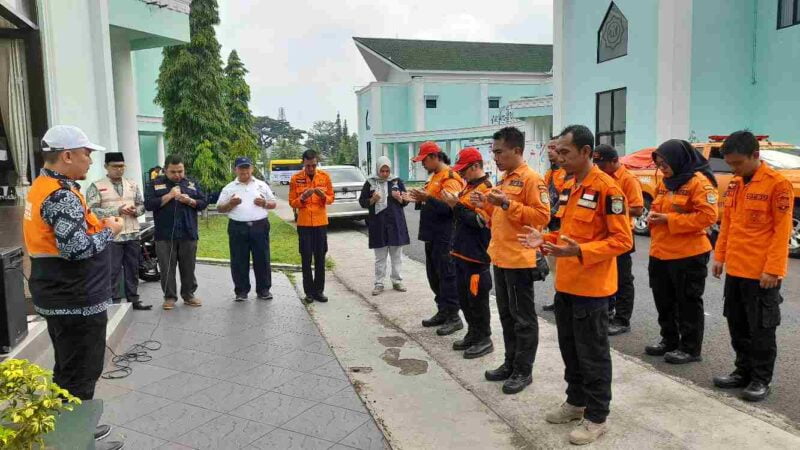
(788, 13)
(611, 118)
(612, 37)
(494, 102)
(369, 157)
(430, 102)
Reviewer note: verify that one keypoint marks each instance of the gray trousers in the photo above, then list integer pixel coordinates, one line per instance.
(125, 264)
(182, 254)
(381, 255)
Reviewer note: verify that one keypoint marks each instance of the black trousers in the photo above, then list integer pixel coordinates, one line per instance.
(753, 315)
(622, 301)
(125, 264)
(182, 254)
(514, 291)
(678, 287)
(313, 246)
(474, 284)
(582, 324)
(79, 348)
(441, 273)
(244, 239)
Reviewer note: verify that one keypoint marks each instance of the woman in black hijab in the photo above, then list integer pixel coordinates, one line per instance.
(684, 207)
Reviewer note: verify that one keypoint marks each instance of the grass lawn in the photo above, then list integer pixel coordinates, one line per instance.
(214, 239)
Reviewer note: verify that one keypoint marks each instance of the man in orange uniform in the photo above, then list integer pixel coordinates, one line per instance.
(435, 229)
(621, 304)
(310, 192)
(554, 180)
(751, 248)
(521, 199)
(595, 228)
(471, 235)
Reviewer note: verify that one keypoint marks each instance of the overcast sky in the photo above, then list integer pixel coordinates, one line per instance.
(301, 55)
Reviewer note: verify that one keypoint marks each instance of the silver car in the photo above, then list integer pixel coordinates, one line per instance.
(347, 182)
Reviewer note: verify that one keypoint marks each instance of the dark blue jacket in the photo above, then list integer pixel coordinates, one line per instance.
(435, 221)
(389, 227)
(174, 221)
(471, 233)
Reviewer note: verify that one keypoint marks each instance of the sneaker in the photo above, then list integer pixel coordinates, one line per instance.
(516, 383)
(399, 287)
(587, 432)
(264, 296)
(194, 301)
(101, 431)
(240, 297)
(565, 413)
(377, 289)
(169, 303)
(110, 445)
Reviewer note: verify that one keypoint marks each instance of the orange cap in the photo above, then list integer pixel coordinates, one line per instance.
(425, 149)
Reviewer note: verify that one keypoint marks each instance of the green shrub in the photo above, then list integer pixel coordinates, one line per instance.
(30, 402)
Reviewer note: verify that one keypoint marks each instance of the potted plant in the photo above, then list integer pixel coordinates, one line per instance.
(30, 401)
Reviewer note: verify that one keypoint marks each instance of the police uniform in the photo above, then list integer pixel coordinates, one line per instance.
(593, 213)
(175, 234)
(312, 228)
(756, 225)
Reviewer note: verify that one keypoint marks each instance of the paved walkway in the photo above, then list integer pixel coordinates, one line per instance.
(254, 375)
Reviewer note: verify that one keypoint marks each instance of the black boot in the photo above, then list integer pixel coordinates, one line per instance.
(731, 381)
(516, 383)
(550, 307)
(437, 319)
(659, 349)
(465, 343)
(140, 307)
(755, 391)
(501, 373)
(617, 327)
(681, 357)
(480, 348)
(451, 325)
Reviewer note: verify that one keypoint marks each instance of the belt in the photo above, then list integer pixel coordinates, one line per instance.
(249, 223)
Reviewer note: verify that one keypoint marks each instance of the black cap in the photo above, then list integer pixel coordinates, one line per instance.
(114, 157)
(604, 153)
(243, 161)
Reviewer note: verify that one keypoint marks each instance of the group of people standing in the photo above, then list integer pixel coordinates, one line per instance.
(580, 217)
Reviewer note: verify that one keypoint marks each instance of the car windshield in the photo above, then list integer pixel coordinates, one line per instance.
(344, 174)
(780, 160)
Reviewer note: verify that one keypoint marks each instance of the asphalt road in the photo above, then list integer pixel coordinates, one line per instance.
(717, 353)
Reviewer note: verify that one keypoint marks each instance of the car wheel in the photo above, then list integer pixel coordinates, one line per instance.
(640, 223)
(794, 239)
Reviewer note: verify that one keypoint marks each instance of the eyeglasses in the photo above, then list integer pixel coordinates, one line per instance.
(661, 164)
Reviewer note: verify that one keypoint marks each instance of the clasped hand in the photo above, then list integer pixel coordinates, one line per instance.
(535, 239)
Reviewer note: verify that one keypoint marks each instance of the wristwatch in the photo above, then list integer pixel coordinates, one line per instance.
(505, 205)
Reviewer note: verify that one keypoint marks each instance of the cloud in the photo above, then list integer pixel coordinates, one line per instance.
(301, 56)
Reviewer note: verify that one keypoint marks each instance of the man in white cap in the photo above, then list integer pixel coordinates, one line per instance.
(67, 245)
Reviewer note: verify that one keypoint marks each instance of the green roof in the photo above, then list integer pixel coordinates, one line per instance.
(462, 56)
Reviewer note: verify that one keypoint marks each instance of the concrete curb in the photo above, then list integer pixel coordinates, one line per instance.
(225, 262)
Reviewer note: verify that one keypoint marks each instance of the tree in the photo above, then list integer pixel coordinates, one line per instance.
(322, 138)
(237, 99)
(190, 88)
(286, 149)
(211, 167)
(269, 130)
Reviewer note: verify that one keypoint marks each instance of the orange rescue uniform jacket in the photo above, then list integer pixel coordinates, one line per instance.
(594, 214)
(690, 210)
(311, 211)
(630, 187)
(756, 225)
(557, 177)
(529, 204)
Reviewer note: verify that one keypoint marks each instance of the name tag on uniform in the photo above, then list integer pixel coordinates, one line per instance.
(563, 198)
(587, 203)
(159, 186)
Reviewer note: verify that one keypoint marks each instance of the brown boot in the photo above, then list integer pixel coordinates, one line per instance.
(194, 301)
(169, 303)
(587, 432)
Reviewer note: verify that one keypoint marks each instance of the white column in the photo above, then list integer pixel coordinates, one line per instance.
(558, 63)
(674, 70)
(161, 154)
(396, 162)
(484, 102)
(418, 103)
(125, 105)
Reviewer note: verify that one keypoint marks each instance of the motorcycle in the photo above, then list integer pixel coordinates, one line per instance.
(148, 261)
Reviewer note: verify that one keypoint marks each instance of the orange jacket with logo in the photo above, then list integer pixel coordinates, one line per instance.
(311, 211)
(756, 225)
(594, 215)
(446, 179)
(557, 177)
(690, 210)
(529, 204)
(630, 187)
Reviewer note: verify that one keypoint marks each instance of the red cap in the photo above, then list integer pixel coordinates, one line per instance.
(466, 157)
(425, 149)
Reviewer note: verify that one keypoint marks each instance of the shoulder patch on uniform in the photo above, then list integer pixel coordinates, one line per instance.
(783, 201)
(544, 197)
(711, 197)
(516, 183)
(615, 204)
(709, 187)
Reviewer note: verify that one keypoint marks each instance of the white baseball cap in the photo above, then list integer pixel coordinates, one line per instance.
(67, 137)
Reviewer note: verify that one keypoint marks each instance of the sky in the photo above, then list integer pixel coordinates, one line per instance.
(301, 55)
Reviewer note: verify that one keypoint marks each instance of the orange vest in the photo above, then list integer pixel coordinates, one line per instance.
(40, 239)
(311, 212)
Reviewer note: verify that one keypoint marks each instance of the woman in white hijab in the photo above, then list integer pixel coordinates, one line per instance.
(388, 232)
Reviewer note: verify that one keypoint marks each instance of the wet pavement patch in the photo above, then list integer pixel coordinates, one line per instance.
(407, 366)
(392, 341)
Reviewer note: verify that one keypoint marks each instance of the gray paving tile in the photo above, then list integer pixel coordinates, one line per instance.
(181, 360)
(231, 344)
(222, 367)
(366, 437)
(346, 398)
(133, 439)
(107, 391)
(183, 338)
(272, 408)
(301, 361)
(312, 387)
(179, 386)
(341, 447)
(288, 440)
(223, 433)
(327, 422)
(125, 408)
(331, 370)
(142, 375)
(172, 421)
(266, 377)
(224, 396)
(320, 347)
(173, 446)
(294, 340)
(261, 352)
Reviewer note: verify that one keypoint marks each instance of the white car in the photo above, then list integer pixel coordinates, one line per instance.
(347, 182)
